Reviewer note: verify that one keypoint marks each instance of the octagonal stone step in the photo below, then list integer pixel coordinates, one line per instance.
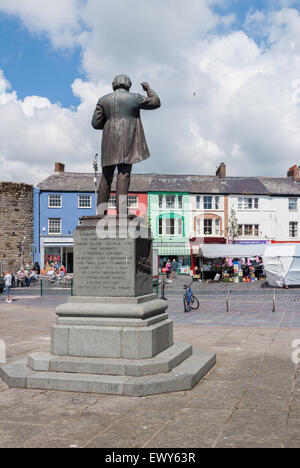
(182, 377)
(161, 363)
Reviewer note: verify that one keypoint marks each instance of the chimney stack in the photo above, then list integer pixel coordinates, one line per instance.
(59, 167)
(221, 172)
(294, 172)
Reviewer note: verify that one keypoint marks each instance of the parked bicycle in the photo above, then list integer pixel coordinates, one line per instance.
(189, 300)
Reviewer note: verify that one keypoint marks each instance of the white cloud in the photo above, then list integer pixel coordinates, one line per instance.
(32, 103)
(61, 20)
(225, 97)
(34, 133)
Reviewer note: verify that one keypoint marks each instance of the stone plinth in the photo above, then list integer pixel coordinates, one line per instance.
(118, 338)
(114, 336)
(119, 265)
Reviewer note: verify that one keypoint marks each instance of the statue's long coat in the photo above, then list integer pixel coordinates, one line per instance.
(118, 115)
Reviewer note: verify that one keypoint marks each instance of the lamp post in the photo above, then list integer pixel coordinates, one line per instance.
(22, 248)
(95, 167)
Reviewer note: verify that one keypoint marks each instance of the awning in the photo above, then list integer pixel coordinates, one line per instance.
(231, 250)
(179, 251)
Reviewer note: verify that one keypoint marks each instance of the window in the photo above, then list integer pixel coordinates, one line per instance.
(160, 227)
(54, 201)
(112, 202)
(248, 230)
(54, 226)
(53, 254)
(180, 202)
(198, 202)
(198, 227)
(217, 227)
(207, 201)
(208, 227)
(293, 204)
(132, 201)
(217, 203)
(84, 201)
(293, 230)
(160, 201)
(179, 227)
(170, 202)
(170, 226)
(248, 203)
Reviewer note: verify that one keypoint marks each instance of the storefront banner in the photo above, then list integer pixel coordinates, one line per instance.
(256, 242)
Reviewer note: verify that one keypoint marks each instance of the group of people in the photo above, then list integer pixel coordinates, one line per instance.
(171, 269)
(54, 270)
(247, 269)
(23, 278)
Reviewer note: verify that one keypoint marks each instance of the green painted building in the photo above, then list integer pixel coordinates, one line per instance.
(169, 218)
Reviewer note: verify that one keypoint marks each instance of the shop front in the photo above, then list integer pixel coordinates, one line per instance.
(57, 250)
(180, 252)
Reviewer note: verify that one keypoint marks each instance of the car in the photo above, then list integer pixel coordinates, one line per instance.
(2, 284)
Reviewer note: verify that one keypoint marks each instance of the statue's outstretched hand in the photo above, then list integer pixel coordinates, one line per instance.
(145, 86)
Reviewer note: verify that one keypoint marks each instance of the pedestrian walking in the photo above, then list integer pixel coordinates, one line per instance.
(8, 284)
(174, 268)
(168, 270)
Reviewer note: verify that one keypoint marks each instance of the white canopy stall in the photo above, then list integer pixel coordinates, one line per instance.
(282, 265)
(231, 250)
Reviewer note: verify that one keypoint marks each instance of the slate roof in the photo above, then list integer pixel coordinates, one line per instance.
(143, 183)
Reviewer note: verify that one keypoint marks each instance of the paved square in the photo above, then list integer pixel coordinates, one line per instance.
(250, 399)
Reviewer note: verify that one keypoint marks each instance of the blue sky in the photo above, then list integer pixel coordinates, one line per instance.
(241, 7)
(61, 56)
(33, 66)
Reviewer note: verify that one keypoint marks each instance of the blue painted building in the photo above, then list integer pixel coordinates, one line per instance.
(59, 202)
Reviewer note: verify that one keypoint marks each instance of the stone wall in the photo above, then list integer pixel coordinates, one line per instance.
(16, 222)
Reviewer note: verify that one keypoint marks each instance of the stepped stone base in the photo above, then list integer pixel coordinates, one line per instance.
(114, 336)
(131, 355)
(176, 369)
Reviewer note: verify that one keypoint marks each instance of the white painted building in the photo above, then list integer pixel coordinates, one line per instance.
(266, 217)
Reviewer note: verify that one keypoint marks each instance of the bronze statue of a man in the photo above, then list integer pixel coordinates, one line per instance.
(123, 140)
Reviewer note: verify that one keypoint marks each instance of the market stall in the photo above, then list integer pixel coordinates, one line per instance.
(231, 262)
(282, 265)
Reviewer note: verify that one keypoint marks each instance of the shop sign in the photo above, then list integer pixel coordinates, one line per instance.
(256, 242)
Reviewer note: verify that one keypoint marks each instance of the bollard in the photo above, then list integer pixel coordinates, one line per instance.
(228, 301)
(163, 285)
(274, 301)
(41, 287)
